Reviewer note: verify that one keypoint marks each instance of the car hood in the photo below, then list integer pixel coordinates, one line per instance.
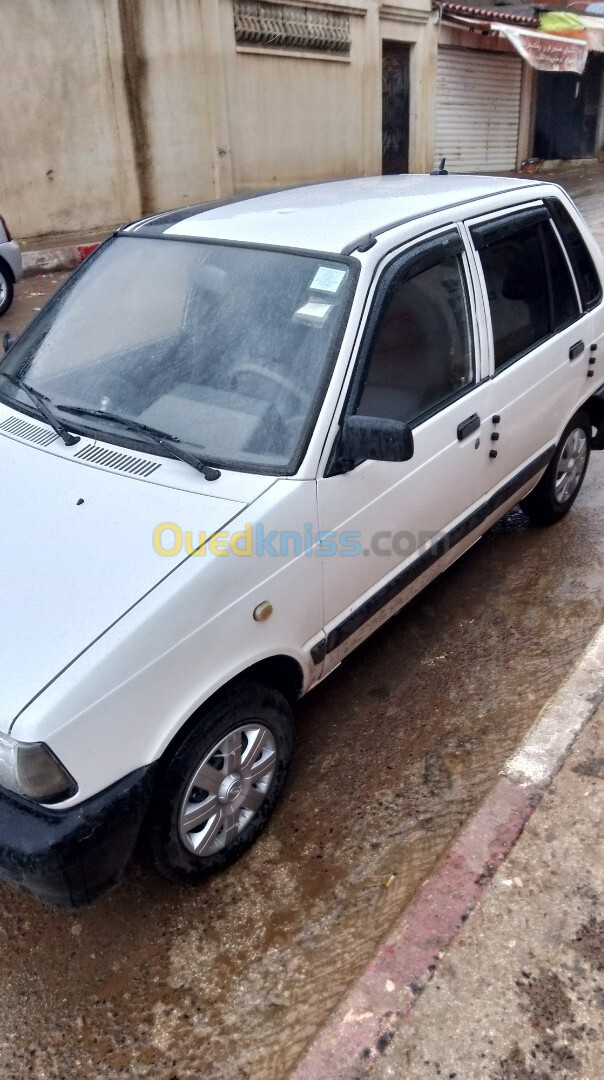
(76, 552)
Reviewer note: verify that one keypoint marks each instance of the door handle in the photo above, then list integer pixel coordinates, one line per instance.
(468, 426)
(576, 350)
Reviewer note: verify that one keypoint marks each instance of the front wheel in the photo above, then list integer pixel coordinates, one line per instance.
(216, 792)
(561, 483)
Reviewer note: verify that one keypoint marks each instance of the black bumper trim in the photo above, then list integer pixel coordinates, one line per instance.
(67, 858)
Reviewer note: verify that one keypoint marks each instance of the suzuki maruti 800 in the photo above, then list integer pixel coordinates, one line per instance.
(236, 441)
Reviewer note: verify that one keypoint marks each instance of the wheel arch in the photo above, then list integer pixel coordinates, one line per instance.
(542, 504)
(8, 270)
(282, 673)
(594, 407)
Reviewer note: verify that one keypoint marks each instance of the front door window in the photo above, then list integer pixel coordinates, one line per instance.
(422, 352)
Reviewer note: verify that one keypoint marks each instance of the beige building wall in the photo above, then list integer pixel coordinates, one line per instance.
(169, 42)
(297, 118)
(66, 156)
(294, 119)
(109, 111)
(118, 108)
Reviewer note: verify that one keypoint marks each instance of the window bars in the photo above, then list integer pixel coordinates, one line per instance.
(288, 26)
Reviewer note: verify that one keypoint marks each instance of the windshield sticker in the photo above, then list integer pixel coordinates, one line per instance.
(327, 279)
(313, 312)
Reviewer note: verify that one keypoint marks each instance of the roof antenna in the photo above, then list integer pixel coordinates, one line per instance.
(441, 171)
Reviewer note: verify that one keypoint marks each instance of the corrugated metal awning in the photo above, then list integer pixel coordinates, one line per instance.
(524, 17)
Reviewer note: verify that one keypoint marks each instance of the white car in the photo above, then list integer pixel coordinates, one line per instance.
(236, 441)
(11, 267)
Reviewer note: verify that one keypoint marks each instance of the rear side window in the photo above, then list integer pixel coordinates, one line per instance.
(585, 272)
(563, 295)
(529, 285)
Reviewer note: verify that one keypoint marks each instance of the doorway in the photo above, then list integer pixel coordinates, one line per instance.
(566, 116)
(395, 107)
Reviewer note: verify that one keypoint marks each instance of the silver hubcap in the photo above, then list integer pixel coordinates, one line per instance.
(3, 288)
(227, 788)
(570, 465)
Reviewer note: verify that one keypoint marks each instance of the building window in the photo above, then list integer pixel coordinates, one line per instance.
(288, 26)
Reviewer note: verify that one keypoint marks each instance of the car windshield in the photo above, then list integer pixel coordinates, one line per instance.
(224, 347)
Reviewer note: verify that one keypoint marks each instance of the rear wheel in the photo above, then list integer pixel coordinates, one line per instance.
(6, 287)
(222, 782)
(561, 483)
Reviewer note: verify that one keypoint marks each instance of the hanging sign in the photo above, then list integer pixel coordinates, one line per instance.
(546, 52)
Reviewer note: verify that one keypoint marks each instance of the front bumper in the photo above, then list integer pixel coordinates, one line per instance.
(69, 857)
(11, 253)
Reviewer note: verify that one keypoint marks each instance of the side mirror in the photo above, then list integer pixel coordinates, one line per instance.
(7, 341)
(375, 438)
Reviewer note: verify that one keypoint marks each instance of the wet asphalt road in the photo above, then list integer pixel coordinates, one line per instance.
(230, 980)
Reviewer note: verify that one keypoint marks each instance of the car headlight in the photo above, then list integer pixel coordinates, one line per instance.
(31, 769)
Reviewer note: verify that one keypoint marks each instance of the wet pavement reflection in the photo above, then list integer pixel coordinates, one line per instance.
(230, 980)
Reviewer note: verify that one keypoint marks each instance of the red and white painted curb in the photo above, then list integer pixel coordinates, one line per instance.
(385, 993)
(52, 260)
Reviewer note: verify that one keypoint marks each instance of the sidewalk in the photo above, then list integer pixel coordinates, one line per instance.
(496, 968)
(521, 992)
(65, 251)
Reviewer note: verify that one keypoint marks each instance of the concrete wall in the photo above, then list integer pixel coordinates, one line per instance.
(115, 108)
(169, 103)
(66, 156)
(311, 112)
(294, 119)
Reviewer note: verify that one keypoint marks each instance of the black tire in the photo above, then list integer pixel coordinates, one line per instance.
(7, 288)
(261, 709)
(546, 504)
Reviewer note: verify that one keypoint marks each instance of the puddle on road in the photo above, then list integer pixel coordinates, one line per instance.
(230, 980)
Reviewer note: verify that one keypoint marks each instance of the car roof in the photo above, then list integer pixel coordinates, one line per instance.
(330, 216)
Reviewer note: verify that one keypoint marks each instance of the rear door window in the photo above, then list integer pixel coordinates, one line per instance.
(563, 294)
(530, 287)
(586, 274)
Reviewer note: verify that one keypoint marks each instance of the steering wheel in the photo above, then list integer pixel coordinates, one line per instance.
(281, 380)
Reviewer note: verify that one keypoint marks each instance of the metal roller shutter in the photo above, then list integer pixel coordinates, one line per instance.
(477, 109)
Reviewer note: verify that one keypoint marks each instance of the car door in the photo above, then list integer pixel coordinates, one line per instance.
(418, 362)
(540, 338)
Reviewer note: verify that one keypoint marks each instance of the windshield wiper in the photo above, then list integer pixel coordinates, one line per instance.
(161, 438)
(40, 401)
(126, 421)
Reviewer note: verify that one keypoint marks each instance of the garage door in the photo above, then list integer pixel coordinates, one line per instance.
(477, 109)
